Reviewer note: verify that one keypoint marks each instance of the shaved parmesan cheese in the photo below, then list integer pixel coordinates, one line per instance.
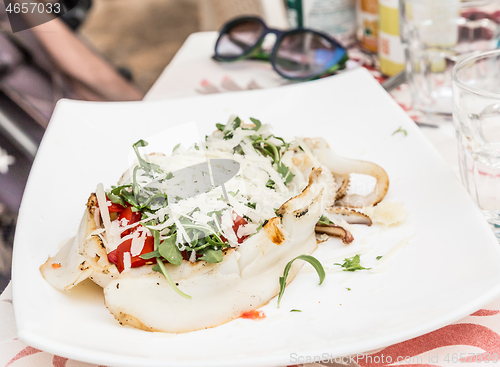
(247, 230)
(137, 244)
(103, 206)
(192, 257)
(227, 228)
(387, 213)
(306, 150)
(127, 261)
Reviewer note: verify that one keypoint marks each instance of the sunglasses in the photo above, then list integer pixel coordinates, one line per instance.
(298, 54)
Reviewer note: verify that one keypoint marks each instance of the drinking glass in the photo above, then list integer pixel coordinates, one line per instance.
(436, 34)
(476, 116)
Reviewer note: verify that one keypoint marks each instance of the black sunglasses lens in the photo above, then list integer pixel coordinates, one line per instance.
(302, 55)
(239, 39)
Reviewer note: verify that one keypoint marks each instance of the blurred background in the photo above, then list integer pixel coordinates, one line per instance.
(143, 36)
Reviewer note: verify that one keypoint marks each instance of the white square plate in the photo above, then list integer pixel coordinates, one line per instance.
(447, 264)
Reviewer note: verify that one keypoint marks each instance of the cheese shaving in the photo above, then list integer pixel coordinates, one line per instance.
(127, 261)
(137, 243)
(103, 206)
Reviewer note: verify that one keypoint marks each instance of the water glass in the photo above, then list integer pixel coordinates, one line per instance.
(436, 34)
(476, 116)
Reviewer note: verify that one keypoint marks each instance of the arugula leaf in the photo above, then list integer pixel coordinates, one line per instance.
(146, 166)
(169, 250)
(252, 205)
(128, 196)
(270, 183)
(117, 199)
(160, 267)
(311, 260)
(324, 220)
(236, 123)
(150, 255)
(156, 237)
(160, 199)
(284, 171)
(212, 256)
(257, 123)
(352, 264)
(220, 127)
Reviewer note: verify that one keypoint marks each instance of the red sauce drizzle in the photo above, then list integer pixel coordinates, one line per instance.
(253, 315)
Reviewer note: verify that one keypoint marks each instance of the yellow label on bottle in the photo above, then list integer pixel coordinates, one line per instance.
(390, 49)
(389, 20)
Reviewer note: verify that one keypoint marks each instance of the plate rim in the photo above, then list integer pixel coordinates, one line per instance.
(36, 341)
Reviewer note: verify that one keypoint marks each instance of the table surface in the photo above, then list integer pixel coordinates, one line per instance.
(192, 72)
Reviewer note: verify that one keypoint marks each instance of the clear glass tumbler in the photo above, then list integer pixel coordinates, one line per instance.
(436, 34)
(476, 116)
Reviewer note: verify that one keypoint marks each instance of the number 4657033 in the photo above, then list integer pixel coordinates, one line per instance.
(34, 8)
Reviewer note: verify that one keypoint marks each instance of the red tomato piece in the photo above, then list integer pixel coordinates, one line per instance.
(131, 217)
(116, 256)
(238, 222)
(115, 208)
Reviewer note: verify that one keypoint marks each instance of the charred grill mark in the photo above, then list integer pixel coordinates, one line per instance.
(82, 266)
(301, 213)
(99, 240)
(92, 203)
(287, 205)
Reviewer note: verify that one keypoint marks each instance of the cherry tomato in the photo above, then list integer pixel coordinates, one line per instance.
(116, 256)
(115, 208)
(131, 217)
(238, 222)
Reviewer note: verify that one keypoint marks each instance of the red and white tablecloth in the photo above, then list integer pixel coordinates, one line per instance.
(472, 341)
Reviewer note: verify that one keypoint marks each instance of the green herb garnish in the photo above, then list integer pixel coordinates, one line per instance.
(294, 310)
(311, 260)
(176, 147)
(257, 123)
(146, 166)
(169, 250)
(379, 257)
(324, 220)
(352, 264)
(212, 256)
(161, 268)
(400, 130)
